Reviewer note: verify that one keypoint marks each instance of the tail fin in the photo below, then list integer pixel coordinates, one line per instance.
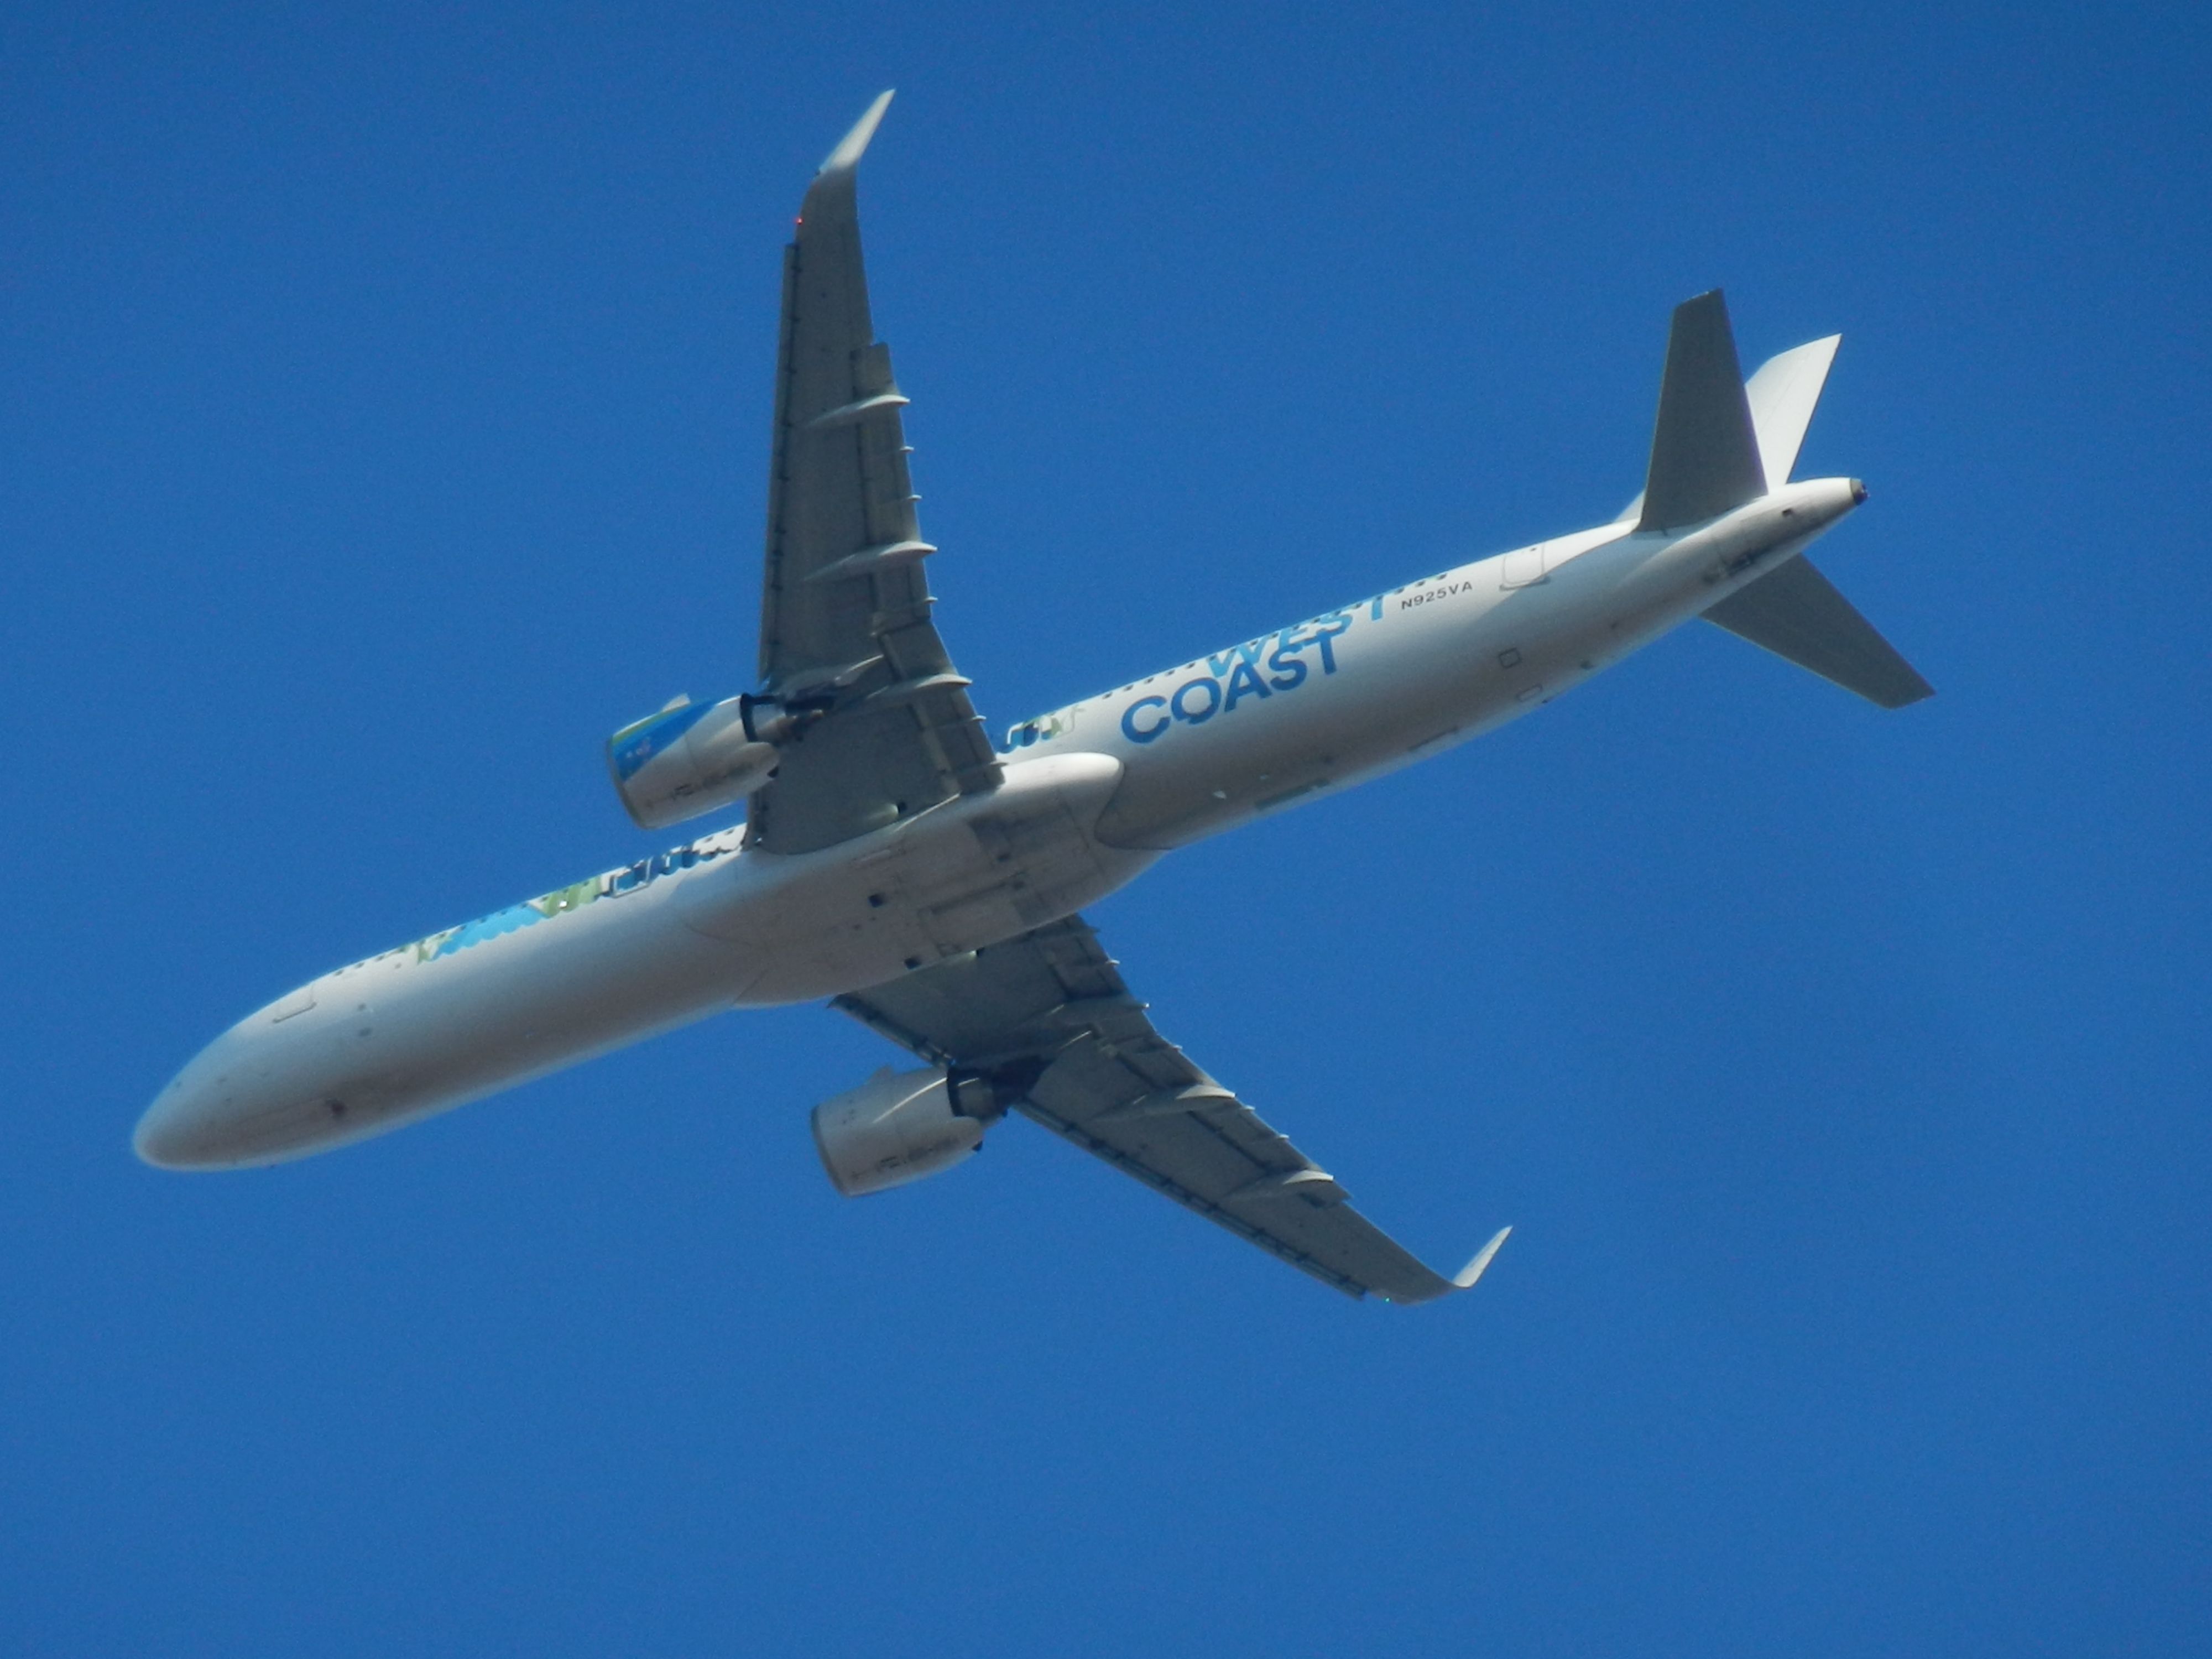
(1719, 443)
(1782, 396)
(1704, 453)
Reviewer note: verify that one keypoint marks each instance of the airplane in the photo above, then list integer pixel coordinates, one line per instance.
(931, 885)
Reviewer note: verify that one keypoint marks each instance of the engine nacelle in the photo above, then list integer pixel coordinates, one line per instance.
(692, 758)
(899, 1126)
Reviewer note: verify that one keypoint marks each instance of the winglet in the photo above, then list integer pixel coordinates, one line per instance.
(846, 155)
(1425, 1283)
(1465, 1278)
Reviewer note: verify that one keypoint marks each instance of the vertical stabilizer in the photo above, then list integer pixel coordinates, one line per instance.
(1704, 456)
(1782, 395)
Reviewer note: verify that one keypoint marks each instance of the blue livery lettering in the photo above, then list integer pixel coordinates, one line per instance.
(1196, 717)
(1256, 669)
(1137, 733)
(1245, 682)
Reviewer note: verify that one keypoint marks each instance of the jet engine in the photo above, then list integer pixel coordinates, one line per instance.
(692, 758)
(899, 1126)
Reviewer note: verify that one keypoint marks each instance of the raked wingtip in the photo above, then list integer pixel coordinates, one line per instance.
(853, 144)
(1465, 1278)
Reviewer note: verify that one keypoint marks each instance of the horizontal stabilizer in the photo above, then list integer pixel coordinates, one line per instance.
(1797, 613)
(1782, 395)
(1704, 457)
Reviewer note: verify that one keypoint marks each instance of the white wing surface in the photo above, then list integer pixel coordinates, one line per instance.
(845, 613)
(1048, 1016)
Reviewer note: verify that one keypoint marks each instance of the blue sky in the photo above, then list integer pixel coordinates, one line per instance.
(385, 419)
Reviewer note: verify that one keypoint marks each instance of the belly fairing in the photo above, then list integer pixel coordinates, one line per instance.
(969, 872)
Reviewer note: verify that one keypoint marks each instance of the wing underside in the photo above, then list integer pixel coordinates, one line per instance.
(1048, 1015)
(845, 607)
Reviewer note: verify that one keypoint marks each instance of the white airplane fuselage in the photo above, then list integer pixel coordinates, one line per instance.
(1094, 795)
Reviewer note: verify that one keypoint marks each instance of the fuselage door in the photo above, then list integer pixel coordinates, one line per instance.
(1523, 567)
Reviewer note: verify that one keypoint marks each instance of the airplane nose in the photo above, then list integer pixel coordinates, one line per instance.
(162, 1141)
(180, 1130)
(239, 1103)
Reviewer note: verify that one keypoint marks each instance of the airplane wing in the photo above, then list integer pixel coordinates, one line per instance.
(845, 613)
(1048, 1015)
